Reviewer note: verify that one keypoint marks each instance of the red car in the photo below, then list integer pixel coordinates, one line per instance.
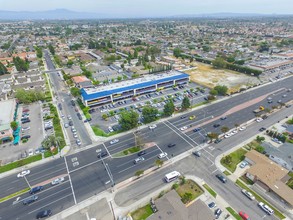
(25, 110)
(244, 216)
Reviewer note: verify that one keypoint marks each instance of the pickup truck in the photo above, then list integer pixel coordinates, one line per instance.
(258, 110)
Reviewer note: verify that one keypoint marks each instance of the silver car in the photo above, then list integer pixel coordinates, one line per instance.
(57, 181)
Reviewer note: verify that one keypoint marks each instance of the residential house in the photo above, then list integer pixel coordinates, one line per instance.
(269, 176)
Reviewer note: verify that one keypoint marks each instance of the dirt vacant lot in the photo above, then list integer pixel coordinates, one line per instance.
(207, 76)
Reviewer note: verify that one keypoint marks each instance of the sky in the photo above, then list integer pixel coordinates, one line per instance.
(153, 8)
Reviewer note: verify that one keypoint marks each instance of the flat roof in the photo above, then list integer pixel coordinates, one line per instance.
(7, 111)
(120, 87)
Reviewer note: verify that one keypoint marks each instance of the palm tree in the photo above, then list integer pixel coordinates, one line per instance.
(236, 125)
(51, 141)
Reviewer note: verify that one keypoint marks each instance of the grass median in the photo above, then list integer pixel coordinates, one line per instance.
(235, 214)
(14, 195)
(260, 199)
(209, 189)
(142, 213)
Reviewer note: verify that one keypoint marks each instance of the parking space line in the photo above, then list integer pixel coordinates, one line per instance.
(215, 171)
(70, 181)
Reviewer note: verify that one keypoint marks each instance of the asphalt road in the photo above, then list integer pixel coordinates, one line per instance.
(89, 177)
(67, 109)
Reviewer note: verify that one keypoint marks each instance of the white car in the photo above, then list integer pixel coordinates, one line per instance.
(23, 173)
(110, 129)
(57, 181)
(242, 128)
(114, 141)
(234, 132)
(31, 152)
(259, 119)
(183, 128)
(248, 194)
(162, 155)
(75, 135)
(153, 126)
(227, 135)
(25, 128)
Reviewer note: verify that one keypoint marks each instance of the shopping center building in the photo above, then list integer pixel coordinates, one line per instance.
(130, 88)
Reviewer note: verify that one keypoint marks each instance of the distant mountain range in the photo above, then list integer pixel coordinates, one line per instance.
(64, 14)
(58, 14)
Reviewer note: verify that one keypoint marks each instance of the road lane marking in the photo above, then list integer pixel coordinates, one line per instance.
(45, 175)
(135, 164)
(215, 170)
(70, 181)
(181, 135)
(162, 152)
(84, 166)
(49, 204)
(107, 150)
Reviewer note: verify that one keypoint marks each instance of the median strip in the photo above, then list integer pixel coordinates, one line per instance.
(14, 195)
(209, 189)
(232, 212)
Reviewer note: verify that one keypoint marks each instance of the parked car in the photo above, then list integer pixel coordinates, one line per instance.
(244, 216)
(224, 118)
(212, 205)
(57, 181)
(30, 152)
(43, 214)
(243, 164)
(262, 129)
(218, 141)
(152, 126)
(196, 129)
(78, 142)
(218, 212)
(25, 128)
(23, 173)
(248, 194)
(242, 128)
(216, 125)
(27, 136)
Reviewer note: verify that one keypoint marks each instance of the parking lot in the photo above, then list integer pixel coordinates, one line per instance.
(157, 99)
(30, 130)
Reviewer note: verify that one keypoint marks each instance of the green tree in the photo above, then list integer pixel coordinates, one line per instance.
(227, 159)
(69, 63)
(3, 69)
(221, 89)
(219, 63)
(51, 141)
(213, 136)
(39, 52)
(169, 108)
(135, 54)
(177, 52)
(263, 46)
(260, 139)
(20, 64)
(149, 114)
(13, 125)
(185, 103)
(186, 197)
(51, 49)
(139, 173)
(159, 163)
(260, 148)
(75, 91)
(29, 96)
(225, 129)
(128, 120)
(213, 92)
